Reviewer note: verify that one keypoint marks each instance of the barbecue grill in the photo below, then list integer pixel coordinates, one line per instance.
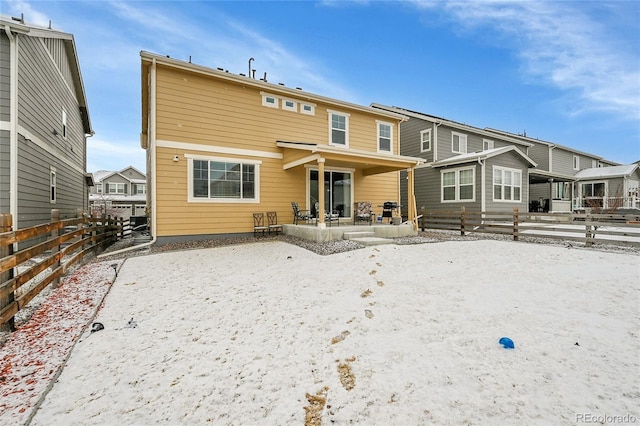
(387, 209)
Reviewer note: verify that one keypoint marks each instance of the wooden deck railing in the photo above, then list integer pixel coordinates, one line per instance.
(49, 250)
(618, 229)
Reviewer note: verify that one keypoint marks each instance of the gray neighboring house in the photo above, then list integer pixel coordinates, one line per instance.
(571, 180)
(119, 193)
(44, 125)
(466, 166)
(484, 169)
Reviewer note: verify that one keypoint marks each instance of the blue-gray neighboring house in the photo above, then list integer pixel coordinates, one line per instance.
(44, 124)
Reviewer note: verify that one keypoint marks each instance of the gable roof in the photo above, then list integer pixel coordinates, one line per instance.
(551, 144)
(31, 30)
(450, 123)
(483, 155)
(606, 172)
(102, 175)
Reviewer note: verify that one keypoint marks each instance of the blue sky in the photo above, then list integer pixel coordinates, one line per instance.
(565, 72)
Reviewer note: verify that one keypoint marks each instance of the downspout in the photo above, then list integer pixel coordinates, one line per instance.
(483, 181)
(152, 153)
(435, 141)
(13, 126)
(551, 147)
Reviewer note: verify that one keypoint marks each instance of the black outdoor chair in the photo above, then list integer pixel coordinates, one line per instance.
(300, 214)
(333, 216)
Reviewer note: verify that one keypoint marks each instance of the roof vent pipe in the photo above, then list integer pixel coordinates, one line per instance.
(250, 60)
(265, 77)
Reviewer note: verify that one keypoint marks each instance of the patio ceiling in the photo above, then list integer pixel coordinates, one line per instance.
(301, 153)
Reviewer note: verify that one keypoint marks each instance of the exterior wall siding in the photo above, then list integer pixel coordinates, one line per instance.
(540, 154)
(4, 171)
(42, 96)
(213, 113)
(5, 80)
(563, 162)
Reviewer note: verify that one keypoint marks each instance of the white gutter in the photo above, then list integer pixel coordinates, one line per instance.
(435, 141)
(151, 151)
(13, 126)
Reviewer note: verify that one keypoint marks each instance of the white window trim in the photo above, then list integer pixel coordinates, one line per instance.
(506, 169)
(312, 108)
(192, 199)
(385, 123)
(265, 96)
(461, 137)
(293, 108)
(53, 185)
(99, 188)
(457, 184)
(346, 124)
(489, 143)
(423, 132)
(115, 185)
(576, 162)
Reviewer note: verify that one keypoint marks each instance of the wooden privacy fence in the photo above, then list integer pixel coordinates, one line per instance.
(51, 248)
(588, 228)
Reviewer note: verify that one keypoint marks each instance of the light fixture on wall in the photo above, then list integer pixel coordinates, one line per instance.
(176, 158)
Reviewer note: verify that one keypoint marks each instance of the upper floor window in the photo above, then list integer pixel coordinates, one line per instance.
(269, 101)
(99, 188)
(339, 128)
(308, 109)
(576, 162)
(425, 140)
(223, 180)
(487, 144)
(289, 105)
(53, 182)
(141, 189)
(594, 163)
(458, 143)
(507, 184)
(116, 188)
(385, 139)
(458, 185)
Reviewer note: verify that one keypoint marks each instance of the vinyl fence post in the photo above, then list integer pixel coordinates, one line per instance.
(6, 225)
(463, 219)
(516, 224)
(55, 250)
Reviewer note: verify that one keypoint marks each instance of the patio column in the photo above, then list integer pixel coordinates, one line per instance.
(411, 199)
(320, 211)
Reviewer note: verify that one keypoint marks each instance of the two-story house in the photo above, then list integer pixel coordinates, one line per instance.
(44, 125)
(567, 179)
(119, 193)
(465, 166)
(222, 146)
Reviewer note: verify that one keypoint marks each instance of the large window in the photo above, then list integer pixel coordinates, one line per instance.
(507, 184)
(385, 139)
(425, 140)
(339, 129)
(140, 188)
(223, 180)
(560, 191)
(458, 185)
(593, 194)
(458, 143)
(116, 188)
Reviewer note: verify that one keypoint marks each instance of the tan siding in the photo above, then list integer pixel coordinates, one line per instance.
(201, 110)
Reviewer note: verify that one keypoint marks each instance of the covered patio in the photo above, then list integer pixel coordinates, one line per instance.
(322, 160)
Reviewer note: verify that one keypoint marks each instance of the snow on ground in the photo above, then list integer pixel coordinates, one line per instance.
(32, 357)
(269, 333)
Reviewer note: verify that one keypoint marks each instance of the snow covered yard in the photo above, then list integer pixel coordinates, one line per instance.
(269, 333)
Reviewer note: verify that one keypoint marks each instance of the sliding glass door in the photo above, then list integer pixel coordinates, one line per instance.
(337, 191)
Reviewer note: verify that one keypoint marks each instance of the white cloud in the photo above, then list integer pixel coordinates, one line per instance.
(106, 155)
(564, 45)
(19, 7)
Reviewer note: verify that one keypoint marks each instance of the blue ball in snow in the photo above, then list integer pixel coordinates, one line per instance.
(506, 343)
